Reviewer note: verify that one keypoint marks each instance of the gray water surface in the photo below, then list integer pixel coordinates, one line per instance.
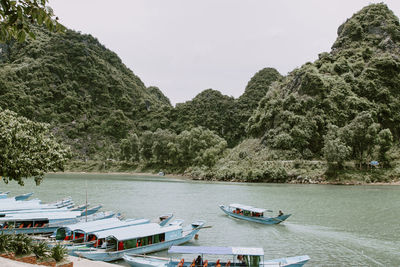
(334, 225)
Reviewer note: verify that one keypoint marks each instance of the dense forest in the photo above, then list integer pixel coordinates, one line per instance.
(326, 120)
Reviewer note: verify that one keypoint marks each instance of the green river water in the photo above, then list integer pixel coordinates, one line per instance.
(334, 225)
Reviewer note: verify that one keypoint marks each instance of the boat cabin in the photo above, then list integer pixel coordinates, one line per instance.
(234, 256)
(35, 220)
(24, 223)
(86, 231)
(246, 210)
(140, 235)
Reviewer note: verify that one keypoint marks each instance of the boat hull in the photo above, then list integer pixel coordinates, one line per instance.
(263, 220)
(133, 261)
(45, 230)
(100, 255)
(296, 261)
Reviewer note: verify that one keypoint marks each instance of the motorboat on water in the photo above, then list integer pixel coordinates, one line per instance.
(253, 214)
(210, 256)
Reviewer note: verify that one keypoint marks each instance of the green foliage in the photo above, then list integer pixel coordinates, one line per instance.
(209, 109)
(41, 250)
(21, 244)
(17, 17)
(27, 149)
(59, 252)
(385, 141)
(88, 96)
(130, 148)
(5, 242)
(355, 87)
(335, 148)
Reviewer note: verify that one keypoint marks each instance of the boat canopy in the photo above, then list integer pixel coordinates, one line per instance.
(137, 231)
(217, 250)
(100, 225)
(41, 216)
(249, 208)
(88, 226)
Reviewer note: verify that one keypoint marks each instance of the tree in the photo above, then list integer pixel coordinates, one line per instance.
(17, 17)
(27, 149)
(361, 135)
(160, 148)
(130, 147)
(385, 140)
(335, 149)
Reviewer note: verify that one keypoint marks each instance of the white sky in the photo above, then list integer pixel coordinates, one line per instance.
(186, 46)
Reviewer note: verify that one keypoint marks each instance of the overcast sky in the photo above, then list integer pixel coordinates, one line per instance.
(186, 46)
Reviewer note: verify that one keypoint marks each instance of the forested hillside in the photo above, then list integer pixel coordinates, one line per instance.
(345, 106)
(328, 117)
(349, 96)
(90, 98)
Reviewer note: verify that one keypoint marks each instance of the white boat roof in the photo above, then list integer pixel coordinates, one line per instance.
(217, 250)
(63, 209)
(83, 226)
(41, 215)
(136, 231)
(104, 224)
(249, 208)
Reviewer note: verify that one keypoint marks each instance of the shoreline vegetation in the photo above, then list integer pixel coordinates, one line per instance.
(346, 178)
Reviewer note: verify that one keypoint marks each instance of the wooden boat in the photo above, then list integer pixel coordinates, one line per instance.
(81, 231)
(91, 210)
(252, 214)
(10, 204)
(80, 207)
(234, 256)
(140, 239)
(23, 196)
(85, 236)
(42, 223)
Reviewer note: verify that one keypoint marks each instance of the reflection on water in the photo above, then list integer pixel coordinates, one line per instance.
(334, 225)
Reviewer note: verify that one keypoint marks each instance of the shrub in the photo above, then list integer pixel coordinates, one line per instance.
(5, 242)
(21, 244)
(40, 250)
(58, 252)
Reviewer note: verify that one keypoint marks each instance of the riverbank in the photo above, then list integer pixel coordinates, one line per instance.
(297, 180)
(252, 171)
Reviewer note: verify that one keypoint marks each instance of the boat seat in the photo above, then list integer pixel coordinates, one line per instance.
(205, 264)
(21, 226)
(29, 226)
(228, 264)
(36, 225)
(5, 226)
(180, 264)
(193, 263)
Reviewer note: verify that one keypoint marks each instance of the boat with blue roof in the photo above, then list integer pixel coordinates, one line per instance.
(140, 239)
(231, 256)
(253, 214)
(86, 235)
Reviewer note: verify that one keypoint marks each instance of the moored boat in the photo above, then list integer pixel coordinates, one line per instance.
(234, 256)
(253, 214)
(43, 223)
(90, 211)
(23, 196)
(140, 239)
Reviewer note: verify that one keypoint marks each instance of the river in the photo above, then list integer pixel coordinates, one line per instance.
(334, 225)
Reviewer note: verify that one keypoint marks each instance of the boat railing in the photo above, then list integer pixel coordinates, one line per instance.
(148, 257)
